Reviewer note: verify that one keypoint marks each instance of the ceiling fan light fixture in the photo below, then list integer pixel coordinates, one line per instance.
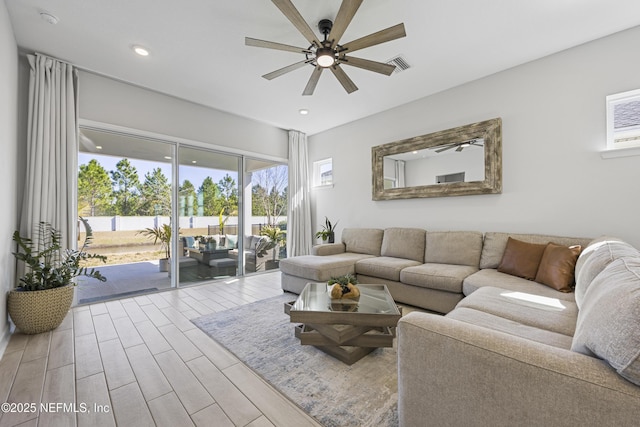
(325, 57)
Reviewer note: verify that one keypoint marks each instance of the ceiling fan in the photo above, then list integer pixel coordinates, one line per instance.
(328, 53)
(459, 146)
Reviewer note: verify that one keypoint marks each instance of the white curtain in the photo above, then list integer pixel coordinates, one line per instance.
(400, 182)
(299, 230)
(52, 147)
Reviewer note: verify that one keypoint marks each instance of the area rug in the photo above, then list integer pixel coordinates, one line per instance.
(335, 394)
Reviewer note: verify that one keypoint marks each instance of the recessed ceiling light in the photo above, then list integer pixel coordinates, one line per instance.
(140, 50)
(51, 19)
(194, 161)
(303, 111)
(167, 157)
(98, 147)
(415, 152)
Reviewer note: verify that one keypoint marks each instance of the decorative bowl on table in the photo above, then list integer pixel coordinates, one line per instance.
(343, 288)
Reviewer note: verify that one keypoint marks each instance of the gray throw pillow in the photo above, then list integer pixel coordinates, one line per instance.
(609, 320)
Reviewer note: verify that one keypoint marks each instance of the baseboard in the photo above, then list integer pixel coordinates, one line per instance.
(4, 339)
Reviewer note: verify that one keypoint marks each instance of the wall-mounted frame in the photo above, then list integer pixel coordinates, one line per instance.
(486, 135)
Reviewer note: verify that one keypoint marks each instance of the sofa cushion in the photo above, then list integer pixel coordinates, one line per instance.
(551, 314)
(609, 319)
(557, 266)
(384, 267)
(321, 268)
(444, 277)
(512, 327)
(521, 258)
(454, 247)
(407, 243)
(495, 243)
(492, 277)
(595, 257)
(362, 240)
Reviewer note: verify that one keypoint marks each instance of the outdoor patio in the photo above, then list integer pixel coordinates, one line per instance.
(123, 280)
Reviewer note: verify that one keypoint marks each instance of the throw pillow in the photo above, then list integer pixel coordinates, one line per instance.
(557, 266)
(521, 258)
(608, 323)
(232, 241)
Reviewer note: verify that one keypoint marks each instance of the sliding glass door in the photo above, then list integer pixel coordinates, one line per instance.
(124, 191)
(166, 213)
(265, 232)
(209, 206)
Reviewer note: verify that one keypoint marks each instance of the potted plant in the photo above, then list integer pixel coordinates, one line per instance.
(274, 238)
(209, 244)
(327, 232)
(160, 234)
(45, 295)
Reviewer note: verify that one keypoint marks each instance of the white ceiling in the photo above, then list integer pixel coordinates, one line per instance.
(198, 52)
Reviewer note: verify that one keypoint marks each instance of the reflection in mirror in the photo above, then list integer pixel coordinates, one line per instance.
(457, 162)
(460, 161)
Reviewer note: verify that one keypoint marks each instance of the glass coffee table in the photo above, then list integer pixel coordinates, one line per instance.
(346, 329)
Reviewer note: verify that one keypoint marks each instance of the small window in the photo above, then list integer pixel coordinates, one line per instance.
(452, 177)
(623, 120)
(323, 172)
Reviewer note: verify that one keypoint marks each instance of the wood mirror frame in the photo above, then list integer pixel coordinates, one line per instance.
(489, 130)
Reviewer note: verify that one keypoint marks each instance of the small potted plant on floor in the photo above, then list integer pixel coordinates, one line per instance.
(160, 234)
(327, 232)
(45, 294)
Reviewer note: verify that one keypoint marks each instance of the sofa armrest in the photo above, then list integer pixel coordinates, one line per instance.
(328, 249)
(454, 373)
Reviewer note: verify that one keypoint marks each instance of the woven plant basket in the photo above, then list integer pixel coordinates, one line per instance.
(34, 312)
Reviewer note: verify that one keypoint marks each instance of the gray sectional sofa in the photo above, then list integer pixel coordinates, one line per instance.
(509, 350)
(433, 270)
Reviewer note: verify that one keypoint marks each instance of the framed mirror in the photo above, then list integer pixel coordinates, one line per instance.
(461, 161)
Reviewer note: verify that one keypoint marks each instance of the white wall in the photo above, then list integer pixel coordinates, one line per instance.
(8, 162)
(553, 123)
(109, 101)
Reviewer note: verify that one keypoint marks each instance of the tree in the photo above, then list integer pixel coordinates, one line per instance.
(156, 194)
(270, 193)
(188, 198)
(126, 188)
(208, 197)
(228, 195)
(94, 190)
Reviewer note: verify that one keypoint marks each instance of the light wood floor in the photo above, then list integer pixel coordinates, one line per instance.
(140, 361)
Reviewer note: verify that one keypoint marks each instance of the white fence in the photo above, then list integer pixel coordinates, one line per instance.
(121, 223)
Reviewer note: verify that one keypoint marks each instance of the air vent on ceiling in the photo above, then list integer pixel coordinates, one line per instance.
(400, 63)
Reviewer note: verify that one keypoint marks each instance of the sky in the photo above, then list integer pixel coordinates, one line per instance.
(194, 174)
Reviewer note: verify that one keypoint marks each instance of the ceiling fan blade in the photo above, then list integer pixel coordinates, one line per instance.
(277, 73)
(313, 81)
(378, 67)
(382, 36)
(344, 80)
(445, 148)
(292, 14)
(347, 10)
(273, 45)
